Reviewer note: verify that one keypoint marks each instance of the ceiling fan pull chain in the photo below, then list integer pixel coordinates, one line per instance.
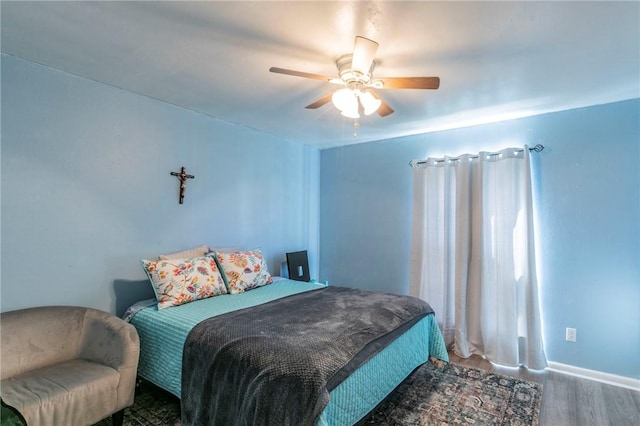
(355, 125)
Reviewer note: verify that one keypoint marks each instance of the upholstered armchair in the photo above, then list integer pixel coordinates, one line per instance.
(64, 365)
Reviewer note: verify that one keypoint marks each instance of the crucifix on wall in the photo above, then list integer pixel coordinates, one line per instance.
(182, 177)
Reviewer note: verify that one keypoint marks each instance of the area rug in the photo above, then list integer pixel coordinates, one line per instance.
(456, 395)
(453, 395)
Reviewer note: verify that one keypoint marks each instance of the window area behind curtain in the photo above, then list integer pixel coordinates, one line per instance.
(473, 257)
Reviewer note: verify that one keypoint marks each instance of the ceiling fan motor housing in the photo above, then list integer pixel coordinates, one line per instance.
(349, 75)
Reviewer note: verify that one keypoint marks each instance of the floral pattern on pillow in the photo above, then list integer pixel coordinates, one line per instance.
(243, 270)
(180, 281)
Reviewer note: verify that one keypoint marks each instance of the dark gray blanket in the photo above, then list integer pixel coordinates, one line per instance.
(275, 364)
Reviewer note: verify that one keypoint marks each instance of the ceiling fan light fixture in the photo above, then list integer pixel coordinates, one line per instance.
(350, 113)
(340, 98)
(347, 102)
(369, 102)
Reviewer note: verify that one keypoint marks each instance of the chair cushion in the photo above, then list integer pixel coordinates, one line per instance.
(75, 392)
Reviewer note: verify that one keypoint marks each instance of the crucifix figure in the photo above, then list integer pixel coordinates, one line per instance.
(182, 177)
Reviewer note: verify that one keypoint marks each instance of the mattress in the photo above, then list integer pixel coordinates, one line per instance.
(163, 334)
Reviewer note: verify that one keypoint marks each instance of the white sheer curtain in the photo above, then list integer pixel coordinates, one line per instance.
(472, 254)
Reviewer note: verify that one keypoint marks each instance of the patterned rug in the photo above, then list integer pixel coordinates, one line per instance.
(456, 395)
(453, 395)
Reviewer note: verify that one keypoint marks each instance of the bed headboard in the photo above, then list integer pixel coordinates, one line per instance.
(129, 292)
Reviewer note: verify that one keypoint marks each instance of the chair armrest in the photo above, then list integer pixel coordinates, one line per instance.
(111, 341)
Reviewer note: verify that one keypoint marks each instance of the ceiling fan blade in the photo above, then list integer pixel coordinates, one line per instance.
(410, 82)
(384, 108)
(320, 102)
(364, 51)
(300, 74)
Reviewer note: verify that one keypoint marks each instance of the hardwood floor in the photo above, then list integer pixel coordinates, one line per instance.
(571, 401)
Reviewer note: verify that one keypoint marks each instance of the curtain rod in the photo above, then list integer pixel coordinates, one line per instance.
(536, 148)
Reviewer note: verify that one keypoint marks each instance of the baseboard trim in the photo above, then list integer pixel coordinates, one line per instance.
(598, 376)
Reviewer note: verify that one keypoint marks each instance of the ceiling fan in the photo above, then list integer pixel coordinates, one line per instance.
(356, 75)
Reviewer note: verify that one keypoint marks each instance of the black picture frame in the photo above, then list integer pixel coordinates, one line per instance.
(298, 266)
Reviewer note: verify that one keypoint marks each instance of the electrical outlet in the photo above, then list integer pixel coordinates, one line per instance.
(571, 335)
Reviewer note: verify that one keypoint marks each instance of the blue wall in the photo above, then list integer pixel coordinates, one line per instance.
(86, 189)
(86, 192)
(588, 209)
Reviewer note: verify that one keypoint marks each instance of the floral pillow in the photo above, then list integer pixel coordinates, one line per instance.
(243, 270)
(180, 281)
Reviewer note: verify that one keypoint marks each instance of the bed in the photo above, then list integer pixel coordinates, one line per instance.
(164, 332)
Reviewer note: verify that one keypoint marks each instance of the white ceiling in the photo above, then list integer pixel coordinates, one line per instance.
(496, 60)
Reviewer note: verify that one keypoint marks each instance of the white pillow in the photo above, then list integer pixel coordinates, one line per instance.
(224, 249)
(186, 254)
